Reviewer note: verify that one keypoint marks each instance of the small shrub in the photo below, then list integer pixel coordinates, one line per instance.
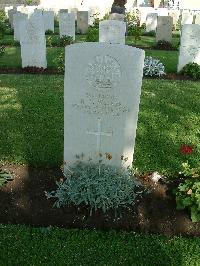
(92, 35)
(188, 197)
(60, 62)
(66, 40)
(2, 23)
(191, 70)
(97, 186)
(4, 177)
(153, 67)
(164, 45)
(135, 31)
(2, 50)
(49, 32)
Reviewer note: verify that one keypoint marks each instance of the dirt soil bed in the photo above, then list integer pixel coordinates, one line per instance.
(23, 201)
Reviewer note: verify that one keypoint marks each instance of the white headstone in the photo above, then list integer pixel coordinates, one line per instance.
(187, 18)
(116, 16)
(67, 24)
(33, 42)
(11, 13)
(48, 20)
(112, 31)
(82, 22)
(102, 102)
(17, 19)
(151, 22)
(190, 46)
(164, 29)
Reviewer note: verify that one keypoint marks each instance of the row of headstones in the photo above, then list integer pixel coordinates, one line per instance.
(31, 33)
(152, 20)
(33, 42)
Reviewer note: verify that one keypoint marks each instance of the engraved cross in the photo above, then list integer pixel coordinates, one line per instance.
(99, 134)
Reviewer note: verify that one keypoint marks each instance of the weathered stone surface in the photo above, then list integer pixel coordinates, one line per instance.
(102, 95)
(164, 29)
(190, 45)
(82, 22)
(112, 31)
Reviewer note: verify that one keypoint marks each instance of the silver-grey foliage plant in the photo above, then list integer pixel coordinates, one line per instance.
(96, 186)
(153, 67)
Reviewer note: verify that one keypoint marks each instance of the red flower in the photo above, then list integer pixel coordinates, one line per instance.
(186, 149)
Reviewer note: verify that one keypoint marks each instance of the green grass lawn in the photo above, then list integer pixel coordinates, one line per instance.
(31, 114)
(12, 57)
(30, 246)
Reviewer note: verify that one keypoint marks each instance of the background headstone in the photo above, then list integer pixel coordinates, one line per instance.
(112, 31)
(48, 20)
(33, 42)
(67, 24)
(151, 22)
(11, 13)
(190, 45)
(82, 22)
(17, 19)
(101, 103)
(164, 29)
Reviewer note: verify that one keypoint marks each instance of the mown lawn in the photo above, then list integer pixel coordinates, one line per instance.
(30, 246)
(12, 58)
(31, 115)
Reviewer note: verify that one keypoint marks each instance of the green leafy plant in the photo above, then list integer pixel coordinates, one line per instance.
(191, 70)
(135, 31)
(97, 186)
(49, 32)
(163, 45)
(4, 177)
(153, 67)
(2, 23)
(188, 197)
(66, 40)
(92, 35)
(188, 172)
(2, 50)
(60, 62)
